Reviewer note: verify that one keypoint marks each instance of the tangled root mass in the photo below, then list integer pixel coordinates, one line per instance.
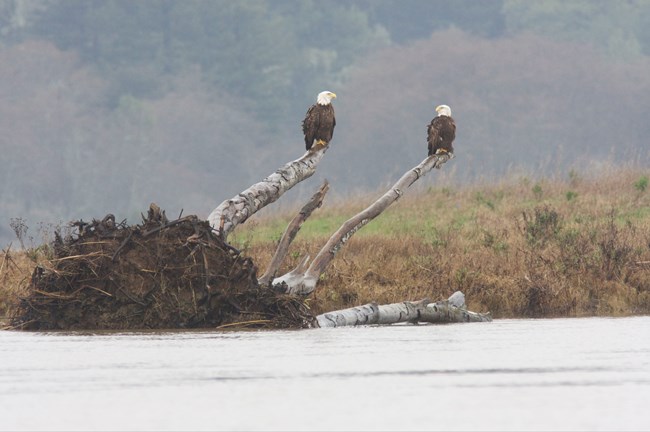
(158, 275)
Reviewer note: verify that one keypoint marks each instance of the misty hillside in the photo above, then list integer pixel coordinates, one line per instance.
(106, 106)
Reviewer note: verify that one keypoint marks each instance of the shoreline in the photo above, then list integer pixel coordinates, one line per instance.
(518, 249)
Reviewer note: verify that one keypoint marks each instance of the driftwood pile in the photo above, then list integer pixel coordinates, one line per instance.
(160, 274)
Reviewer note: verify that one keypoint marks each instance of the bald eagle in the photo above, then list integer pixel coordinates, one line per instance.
(319, 122)
(441, 131)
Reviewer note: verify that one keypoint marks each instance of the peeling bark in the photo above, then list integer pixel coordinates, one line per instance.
(452, 310)
(304, 282)
(238, 209)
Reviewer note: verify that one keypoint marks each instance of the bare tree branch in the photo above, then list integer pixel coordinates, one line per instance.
(290, 233)
(447, 311)
(304, 283)
(238, 209)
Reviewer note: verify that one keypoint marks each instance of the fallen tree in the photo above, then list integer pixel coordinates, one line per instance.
(452, 310)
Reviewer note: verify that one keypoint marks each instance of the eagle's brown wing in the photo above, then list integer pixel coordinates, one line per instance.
(441, 134)
(310, 126)
(433, 136)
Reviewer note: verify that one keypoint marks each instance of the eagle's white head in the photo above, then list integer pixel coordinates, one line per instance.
(443, 110)
(325, 98)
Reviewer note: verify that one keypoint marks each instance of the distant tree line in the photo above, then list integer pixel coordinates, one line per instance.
(107, 105)
(271, 53)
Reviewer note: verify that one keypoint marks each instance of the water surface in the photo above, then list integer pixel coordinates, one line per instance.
(561, 374)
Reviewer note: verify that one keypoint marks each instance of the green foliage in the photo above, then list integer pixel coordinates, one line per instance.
(568, 237)
(543, 225)
(462, 219)
(571, 195)
(447, 191)
(615, 247)
(437, 239)
(576, 251)
(493, 242)
(598, 247)
(461, 275)
(642, 184)
(537, 191)
(482, 199)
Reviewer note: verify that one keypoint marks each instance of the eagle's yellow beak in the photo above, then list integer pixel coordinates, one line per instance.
(438, 108)
(333, 95)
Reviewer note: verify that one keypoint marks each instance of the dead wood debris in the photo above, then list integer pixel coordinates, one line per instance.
(158, 275)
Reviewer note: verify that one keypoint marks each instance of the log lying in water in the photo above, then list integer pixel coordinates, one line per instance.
(452, 310)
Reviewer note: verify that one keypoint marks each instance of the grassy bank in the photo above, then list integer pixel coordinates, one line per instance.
(518, 248)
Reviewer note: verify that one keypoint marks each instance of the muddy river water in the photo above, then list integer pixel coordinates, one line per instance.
(558, 374)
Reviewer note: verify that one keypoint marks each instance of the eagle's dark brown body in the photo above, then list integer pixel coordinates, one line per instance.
(318, 124)
(441, 133)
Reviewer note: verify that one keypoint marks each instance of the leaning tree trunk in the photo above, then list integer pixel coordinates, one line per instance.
(237, 210)
(290, 233)
(302, 280)
(448, 311)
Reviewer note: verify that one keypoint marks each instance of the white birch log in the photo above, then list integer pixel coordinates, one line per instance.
(238, 209)
(452, 310)
(304, 282)
(359, 315)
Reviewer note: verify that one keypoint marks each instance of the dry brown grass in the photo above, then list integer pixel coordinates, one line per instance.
(518, 248)
(15, 273)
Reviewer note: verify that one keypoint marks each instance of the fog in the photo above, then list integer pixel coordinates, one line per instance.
(108, 106)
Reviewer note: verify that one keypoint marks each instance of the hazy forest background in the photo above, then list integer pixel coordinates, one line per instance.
(108, 105)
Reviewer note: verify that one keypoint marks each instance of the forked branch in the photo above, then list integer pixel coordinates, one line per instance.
(290, 233)
(304, 282)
